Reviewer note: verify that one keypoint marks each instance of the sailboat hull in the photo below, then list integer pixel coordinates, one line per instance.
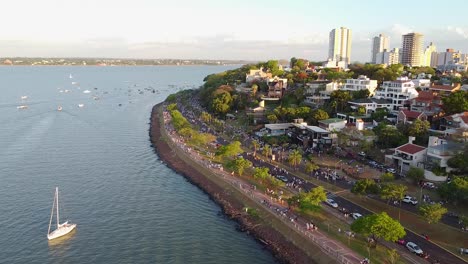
(61, 231)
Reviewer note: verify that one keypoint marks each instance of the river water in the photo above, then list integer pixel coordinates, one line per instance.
(129, 207)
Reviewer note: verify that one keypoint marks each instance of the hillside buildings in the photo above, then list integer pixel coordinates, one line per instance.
(361, 83)
(430, 56)
(380, 44)
(399, 92)
(412, 49)
(339, 48)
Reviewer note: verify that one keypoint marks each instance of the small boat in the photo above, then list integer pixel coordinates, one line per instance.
(22, 107)
(59, 108)
(71, 76)
(67, 91)
(62, 229)
(24, 97)
(80, 105)
(74, 83)
(86, 91)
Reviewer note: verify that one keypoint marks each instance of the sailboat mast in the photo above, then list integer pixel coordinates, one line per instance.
(51, 216)
(56, 197)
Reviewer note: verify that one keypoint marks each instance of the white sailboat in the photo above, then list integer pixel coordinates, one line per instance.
(62, 229)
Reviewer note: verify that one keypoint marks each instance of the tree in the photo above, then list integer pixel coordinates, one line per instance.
(456, 102)
(254, 89)
(319, 114)
(295, 158)
(380, 114)
(311, 167)
(393, 256)
(388, 136)
(341, 98)
(386, 177)
(395, 192)
(361, 94)
(255, 145)
(459, 162)
(365, 186)
(418, 127)
(379, 226)
(206, 117)
(309, 200)
(432, 213)
(455, 191)
(240, 164)
(272, 118)
(230, 150)
(361, 110)
(416, 174)
(266, 151)
(261, 173)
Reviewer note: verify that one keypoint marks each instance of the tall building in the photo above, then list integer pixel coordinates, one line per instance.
(412, 49)
(430, 56)
(379, 44)
(339, 48)
(388, 57)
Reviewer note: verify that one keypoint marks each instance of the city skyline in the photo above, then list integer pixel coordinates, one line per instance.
(212, 30)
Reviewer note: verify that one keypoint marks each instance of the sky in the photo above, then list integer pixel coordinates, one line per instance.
(221, 29)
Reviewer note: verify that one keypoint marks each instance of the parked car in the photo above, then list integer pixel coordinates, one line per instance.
(391, 170)
(356, 215)
(362, 154)
(331, 203)
(410, 200)
(282, 178)
(429, 185)
(413, 248)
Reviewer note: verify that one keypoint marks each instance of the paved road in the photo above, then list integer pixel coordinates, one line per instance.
(435, 252)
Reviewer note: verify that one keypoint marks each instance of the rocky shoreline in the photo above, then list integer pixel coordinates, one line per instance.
(283, 250)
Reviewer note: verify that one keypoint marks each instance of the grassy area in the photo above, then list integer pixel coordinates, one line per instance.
(335, 228)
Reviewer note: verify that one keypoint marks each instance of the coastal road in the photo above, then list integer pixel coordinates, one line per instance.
(435, 252)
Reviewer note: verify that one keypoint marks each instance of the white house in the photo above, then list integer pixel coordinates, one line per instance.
(422, 83)
(254, 75)
(361, 83)
(371, 104)
(407, 156)
(333, 124)
(399, 92)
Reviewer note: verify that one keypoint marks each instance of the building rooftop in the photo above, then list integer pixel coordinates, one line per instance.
(331, 120)
(278, 126)
(410, 148)
(411, 114)
(370, 101)
(444, 87)
(317, 129)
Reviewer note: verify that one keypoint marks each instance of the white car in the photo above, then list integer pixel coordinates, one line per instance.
(356, 215)
(332, 203)
(413, 248)
(410, 200)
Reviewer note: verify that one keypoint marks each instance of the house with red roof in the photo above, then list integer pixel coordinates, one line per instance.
(407, 156)
(407, 116)
(444, 90)
(427, 102)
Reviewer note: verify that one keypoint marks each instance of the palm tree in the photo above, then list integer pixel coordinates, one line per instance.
(255, 145)
(266, 150)
(311, 167)
(295, 158)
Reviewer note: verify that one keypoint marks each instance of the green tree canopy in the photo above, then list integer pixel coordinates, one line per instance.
(295, 158)
(319, 114)
(310, 200)
(240, 164)
(418, 128)
(456, 102)
(261, 173)
(459, 161)
(391, 191)
(380, 226)
(455, 191)
(230, 150)
(311, 167)
(432, 213)
(365, 186)
(387, 177)
(416, 174)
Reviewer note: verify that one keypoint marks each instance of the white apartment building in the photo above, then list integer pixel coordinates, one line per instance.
(399, 92)
(388, 57)
(339, 46)
(380, 43)
(430, 56)
(422, 83)
(361, 83)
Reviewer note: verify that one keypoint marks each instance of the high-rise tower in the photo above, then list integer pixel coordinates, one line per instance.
(379, 44)
(339, 48)
(412, 49)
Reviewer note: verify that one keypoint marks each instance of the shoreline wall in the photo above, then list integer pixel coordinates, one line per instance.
(282, 249)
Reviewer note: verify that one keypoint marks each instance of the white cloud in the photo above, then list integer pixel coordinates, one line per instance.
(458, 30)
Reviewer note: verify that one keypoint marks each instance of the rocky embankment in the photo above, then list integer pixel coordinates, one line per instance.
(232, 207)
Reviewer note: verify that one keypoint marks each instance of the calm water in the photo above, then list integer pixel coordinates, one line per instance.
(129, 207)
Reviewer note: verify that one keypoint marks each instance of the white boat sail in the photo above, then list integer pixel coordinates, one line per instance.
(62, 229)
